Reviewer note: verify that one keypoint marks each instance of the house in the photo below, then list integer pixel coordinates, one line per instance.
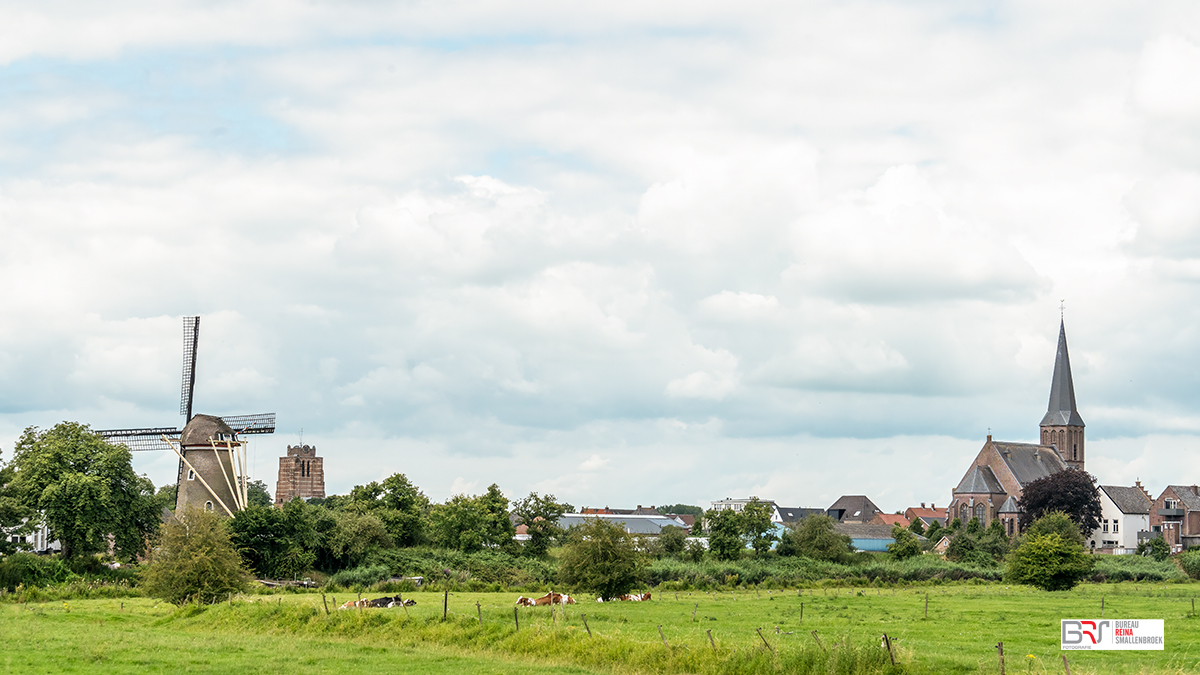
(1175, 516)
(790, 515)
(38, 540)
(927, 515)
(738, 505)
(853, 509)
(992, 486)
(1125, 511)
(942, 545)
(889, 519)
(633, 523)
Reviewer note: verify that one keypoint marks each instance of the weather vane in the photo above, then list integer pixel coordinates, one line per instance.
(1062, 308)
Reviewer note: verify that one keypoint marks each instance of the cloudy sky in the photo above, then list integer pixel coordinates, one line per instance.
(627, 253)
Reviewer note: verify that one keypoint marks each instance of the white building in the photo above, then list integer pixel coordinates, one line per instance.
(38, 541)
(1124, 512)
(739, 505)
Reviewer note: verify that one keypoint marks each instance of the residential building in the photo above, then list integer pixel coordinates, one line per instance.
(633, 523)
(889, 519)
(927, 515)
(1176, 516)
(853, 509)
(1125, 511)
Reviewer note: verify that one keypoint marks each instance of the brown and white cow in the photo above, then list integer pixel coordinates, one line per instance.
(550, 598)
(381, 603)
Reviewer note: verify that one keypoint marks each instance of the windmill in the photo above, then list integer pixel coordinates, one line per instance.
(212, 460)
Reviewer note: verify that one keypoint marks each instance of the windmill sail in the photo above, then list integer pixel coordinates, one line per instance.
(150, 438)
(191, 339)
(260, 423)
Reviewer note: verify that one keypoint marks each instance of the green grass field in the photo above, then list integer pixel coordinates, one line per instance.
(293, 634)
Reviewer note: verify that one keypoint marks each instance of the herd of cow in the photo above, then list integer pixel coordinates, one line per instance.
(550, 598)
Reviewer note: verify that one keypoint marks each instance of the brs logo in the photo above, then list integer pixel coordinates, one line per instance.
(1073, 632)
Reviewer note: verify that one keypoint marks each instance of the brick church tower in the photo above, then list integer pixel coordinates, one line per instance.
(1062, 426)
(301, 474)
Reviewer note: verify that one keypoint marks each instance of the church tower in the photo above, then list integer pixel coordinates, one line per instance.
(1062, 426)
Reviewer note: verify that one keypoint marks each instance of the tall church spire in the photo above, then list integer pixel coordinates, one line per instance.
(1062, 426)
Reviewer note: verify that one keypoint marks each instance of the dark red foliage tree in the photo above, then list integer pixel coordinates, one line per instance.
(1071, 491)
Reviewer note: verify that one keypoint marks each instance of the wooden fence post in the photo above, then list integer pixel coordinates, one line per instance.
(711, 641)
(323, 602)
(814, 634)
(888, 643)
(402, 605)
(585, 626)
(697, 607)
(926, 604)
(445, 604)
(1102, 607)
(802, 612)
(1066, 666)
(1000, 649)
(479, 611)
(760, 636)
(516, 620)
(660, 634)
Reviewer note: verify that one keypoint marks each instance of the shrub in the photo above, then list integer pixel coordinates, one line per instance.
(194, 560)
(1190, 562)
(1133, 568)
(906, 546)
(600, 557)
(1048, 562)
(365, 575)
(1055, 522)
(816, 538)
(1156, 548)
(30, 570)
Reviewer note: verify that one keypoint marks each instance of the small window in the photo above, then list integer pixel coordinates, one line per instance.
(1105, 526)
(208, 506)
(1115, 530)
(191, 475)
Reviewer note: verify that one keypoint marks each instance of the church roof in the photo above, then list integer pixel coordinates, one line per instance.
(980, 480)
(1009, 506)
(1029, 462)
(1062, 410)
(1128, 499)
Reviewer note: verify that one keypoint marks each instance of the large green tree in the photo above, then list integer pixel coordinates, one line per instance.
(816, 537)
(281, 543)
(402, 507)
(540, 516)
(757, 529)
(724, 533)
(601, 557)
(85, 489)
(1048, 562)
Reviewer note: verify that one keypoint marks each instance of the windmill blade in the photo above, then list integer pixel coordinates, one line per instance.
(141, 439)
(191, 339)
(261, 423)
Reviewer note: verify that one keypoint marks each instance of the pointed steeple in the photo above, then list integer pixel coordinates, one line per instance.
(1062, 410)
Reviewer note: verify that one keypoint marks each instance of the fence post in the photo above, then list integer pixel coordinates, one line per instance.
(760, 636)
(402, 605)
(926, 604)
(814, 634)
(445, 604)
(711, 641)
(1066, 666)
(479, 612)
(1102, 607)
(660, 634)
(888, 643)
(1000, 649)
(802, 612)
(516, 620)
(698, 607)
(325, 603)
(585, 626)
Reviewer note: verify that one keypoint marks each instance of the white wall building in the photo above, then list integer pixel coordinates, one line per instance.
(1124, 511)
(38, 541)
(739, 505)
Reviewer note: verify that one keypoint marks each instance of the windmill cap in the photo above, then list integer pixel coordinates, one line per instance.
(203, 428)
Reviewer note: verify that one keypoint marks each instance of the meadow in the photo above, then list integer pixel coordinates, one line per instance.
(752, 631)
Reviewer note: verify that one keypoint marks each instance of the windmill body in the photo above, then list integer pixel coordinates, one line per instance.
(212, 459)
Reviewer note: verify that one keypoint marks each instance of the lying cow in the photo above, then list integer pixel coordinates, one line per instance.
(381, 603)
(550, 598)
(633, 597)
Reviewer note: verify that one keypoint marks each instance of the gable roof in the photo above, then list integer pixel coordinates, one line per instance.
(864, 531)
(980, 480)
(1009, 506)
(889, 519)
(1029, 462)
(857, 507)
(1128, 499)
(793, 514)
(1061, 411)
(1190, 499)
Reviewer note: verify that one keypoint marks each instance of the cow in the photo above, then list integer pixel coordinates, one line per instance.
(550, 598)
(629, 597)
(380, 603)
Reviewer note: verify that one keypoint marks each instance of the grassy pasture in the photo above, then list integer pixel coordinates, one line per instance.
(291, 633)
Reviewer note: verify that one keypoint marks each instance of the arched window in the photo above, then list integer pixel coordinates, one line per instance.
(208, 506)
(191, 475)
(1074, 452)
(979, 513)
(963, 513)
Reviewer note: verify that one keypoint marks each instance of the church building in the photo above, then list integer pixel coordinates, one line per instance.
(991, 488)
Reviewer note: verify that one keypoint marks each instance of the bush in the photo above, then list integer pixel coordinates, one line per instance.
(360, 576)
(1055, 522)
(194, 560)
(1156, 548)
(600, 557)
(1048, 562)
(30, 570)
(1190, 562)
(815, 537)
(1133, 568)
(906, 546)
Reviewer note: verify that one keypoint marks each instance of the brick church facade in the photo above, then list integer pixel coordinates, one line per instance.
(991, 488)
(301, 474)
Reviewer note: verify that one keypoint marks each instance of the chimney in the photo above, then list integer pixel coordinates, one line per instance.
(922, 504)
(989, 440)
(1138, 483)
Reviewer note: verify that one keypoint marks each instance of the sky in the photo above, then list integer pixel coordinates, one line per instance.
(624, 253)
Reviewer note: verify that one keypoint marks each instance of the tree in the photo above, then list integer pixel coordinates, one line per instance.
(498, 528)
(955, 524)
(917, 527)
(539, 515)
(724, 534)
(1048, 562)
(458, 524)
(757, 529)
(194, 560)
(352, 539)
(1071, 491)
(1156, 548)
(403, 508)
(815, 537)
(85, 489)
(935, 532)
(974, 527)
(12, 512)
(682, 509)
(1055, 522)
(601, 557)
(672, 540)
(906, 545)
(281, 543)
(256, 492)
